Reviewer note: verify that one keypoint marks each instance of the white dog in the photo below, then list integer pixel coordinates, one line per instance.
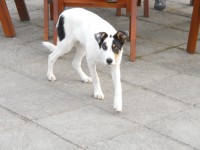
(95, 37)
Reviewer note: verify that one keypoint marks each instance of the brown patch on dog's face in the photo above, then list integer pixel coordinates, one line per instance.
(116, 46)
(119, 39)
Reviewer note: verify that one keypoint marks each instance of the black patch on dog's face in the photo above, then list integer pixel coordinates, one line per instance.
(60, 28)
(116, 46)
(100, 37)
(119, 39)
(104, 46)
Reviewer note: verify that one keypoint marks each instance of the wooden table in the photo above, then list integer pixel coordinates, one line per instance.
(194, 28)
(5, 18)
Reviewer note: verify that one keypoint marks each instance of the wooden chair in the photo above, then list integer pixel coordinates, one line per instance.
(191, 2)
(5, 18)
(6, 21)
(194, 28)
(130, 6)
(47, 4)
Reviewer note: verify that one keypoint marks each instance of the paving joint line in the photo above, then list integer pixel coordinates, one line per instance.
(151, 129)
(52, 115)
(153, 91)
(41, 82)
(37, 124)
(167, 136)
(157, 92)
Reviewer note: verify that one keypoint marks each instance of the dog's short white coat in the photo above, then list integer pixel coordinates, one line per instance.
(80, 26)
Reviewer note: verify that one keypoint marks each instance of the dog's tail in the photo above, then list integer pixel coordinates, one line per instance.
(49, 46)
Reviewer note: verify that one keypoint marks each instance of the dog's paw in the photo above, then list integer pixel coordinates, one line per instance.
(118, 105)
(99, 95)
(87, 80)
(118, 108)
(51, 77)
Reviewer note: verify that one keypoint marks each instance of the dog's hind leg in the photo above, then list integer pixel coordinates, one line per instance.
(77, 63)
(62, 48)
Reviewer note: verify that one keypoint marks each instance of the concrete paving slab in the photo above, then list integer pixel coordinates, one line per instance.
(143, 106)
(183, 126)
(40, 101)
(185, 10)
(176, 59)
(140, 138)
(181, 87)
(31, 137)
(17, 55)
(91, 124)
(184, 26)
(35, 19)
(145, 47)
(180, 2)
(18, 24)
(168, 36)
(144, 73)
(12, 81)
(31, 6)
(31, 33)
(144, 26)
(9, 120)
(163, 18)
(173, 4)
(38, 19)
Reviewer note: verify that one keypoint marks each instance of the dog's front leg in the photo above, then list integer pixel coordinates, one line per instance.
(115, 72)
(95, 80)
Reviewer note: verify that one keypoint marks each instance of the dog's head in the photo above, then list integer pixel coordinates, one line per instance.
(110, 46)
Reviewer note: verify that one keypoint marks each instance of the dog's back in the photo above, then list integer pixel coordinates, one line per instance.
(82, 23)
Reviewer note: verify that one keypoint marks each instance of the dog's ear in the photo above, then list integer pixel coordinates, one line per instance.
(122, 36)
(100, 37)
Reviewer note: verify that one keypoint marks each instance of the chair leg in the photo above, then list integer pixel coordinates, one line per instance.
(132, 28)
(22, 10)
(194, 28)
(128, 9)
(118, 12)
(191, 2)
(138, 2)
(6, 21)
(57, 9)
(51, 11)
(46, 20)
(146, 8)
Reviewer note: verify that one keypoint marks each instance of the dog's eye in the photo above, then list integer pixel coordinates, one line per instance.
(104, 46)
(115, 50)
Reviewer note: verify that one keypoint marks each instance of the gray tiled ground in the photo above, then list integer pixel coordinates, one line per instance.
(140, 138)
(182, 126)
(161, 104)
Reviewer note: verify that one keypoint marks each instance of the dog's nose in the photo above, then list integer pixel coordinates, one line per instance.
(109, 61)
